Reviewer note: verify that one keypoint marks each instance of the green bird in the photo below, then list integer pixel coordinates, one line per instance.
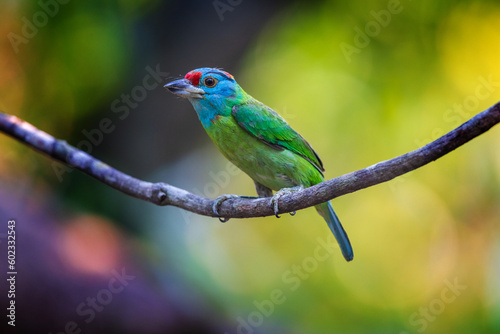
(257, 140)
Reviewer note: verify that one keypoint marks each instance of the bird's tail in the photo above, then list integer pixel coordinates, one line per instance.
(326, 211)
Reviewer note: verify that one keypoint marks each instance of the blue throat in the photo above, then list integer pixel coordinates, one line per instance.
(209, 108)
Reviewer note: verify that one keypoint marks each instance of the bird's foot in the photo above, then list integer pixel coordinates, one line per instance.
(218, 201)
(285, 191)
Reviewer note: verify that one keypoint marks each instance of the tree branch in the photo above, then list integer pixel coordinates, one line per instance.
(166, 194)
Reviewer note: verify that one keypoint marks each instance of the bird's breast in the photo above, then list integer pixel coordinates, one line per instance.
(273, 168)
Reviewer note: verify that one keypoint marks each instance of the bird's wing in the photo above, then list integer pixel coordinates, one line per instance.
(265, 124)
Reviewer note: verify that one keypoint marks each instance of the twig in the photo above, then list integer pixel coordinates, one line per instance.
(165, 194)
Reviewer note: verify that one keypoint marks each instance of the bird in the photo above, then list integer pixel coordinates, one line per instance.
(257, 140)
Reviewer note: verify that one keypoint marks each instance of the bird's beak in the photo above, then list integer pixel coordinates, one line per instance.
(184, 88)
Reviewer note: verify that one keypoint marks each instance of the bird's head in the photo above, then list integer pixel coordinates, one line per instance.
(206, 86)
(211, 91)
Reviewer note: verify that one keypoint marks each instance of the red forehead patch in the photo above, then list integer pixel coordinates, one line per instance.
(194, 77)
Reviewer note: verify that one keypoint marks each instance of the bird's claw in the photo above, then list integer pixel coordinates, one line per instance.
(285, 191)
(217, 203)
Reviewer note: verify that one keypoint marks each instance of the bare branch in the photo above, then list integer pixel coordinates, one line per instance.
(165, 194)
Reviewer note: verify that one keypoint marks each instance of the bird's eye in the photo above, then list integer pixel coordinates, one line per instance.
(210, 82)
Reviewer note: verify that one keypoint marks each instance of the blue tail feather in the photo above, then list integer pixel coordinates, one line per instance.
(340, 234)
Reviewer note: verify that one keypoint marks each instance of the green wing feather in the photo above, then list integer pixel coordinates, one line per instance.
(264, 123)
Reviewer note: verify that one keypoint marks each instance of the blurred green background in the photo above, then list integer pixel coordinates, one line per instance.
(362, 81)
